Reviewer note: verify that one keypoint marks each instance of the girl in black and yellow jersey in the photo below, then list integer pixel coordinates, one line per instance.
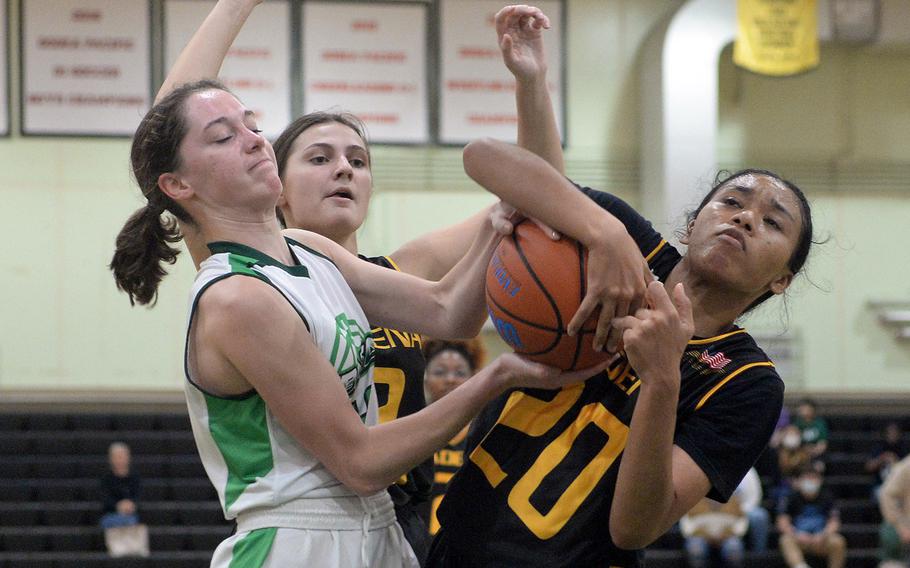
(449, 364)
(590, 474)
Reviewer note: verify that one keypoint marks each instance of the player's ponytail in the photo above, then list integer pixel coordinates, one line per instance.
(144, 244)
(142, 247)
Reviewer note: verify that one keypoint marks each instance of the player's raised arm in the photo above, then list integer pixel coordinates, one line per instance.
(617, 273)
(205, 52)
(520, 30)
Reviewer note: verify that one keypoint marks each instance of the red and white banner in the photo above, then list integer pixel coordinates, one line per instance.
(476, 91)
(369, 59)
(85, 66)
(4, 74)
(257, 67)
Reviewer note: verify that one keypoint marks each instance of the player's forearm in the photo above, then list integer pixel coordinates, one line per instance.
(537, 127)
(205, 52)
(644, 494)
(527, 182)
(433, 255)
(462, 289)
(397, 446)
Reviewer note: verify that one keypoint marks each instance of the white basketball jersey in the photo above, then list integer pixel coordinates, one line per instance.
(249, 457)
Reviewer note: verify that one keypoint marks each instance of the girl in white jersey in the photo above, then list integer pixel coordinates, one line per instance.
(277, 360)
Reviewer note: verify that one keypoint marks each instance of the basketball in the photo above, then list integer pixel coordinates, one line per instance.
(534, 286)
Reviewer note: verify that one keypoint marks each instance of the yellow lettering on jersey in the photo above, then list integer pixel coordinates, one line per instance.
(527, 414)
(624, 378)
(394, 378)
(488, 466)
(451, 458)
(442, 477)
(545, 526)
(534, 416)
(403, 338)
(381, 339)
(384, 338)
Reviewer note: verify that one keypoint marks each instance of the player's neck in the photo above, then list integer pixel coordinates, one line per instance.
(264, 236)
(713, 309)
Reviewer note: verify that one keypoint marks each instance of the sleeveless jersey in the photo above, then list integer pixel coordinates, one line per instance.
(398, 379)
(541, 466)
(252, 461)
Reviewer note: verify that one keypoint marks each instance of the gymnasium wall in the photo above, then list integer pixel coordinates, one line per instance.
(840, 132)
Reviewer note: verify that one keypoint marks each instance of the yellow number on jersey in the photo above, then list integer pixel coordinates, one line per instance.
(535, 417)
(394, 378)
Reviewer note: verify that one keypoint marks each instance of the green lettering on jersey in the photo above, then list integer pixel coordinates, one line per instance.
(353, 356)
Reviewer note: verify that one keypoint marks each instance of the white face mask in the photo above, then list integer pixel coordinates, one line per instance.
(791, 441)
(809, 487)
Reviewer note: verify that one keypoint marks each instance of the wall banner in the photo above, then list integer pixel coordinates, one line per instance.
(369, 59)
(258, 65)
(85, 66)
(776, 37)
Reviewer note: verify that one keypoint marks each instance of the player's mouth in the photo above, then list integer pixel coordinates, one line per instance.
(734, 236)
(342, 193)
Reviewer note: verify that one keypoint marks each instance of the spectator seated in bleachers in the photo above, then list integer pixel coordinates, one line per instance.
(812, 428)
(809, 522)
(889, 451)
(710, 525)
(792, 458)
(123, 533)
(894, 502)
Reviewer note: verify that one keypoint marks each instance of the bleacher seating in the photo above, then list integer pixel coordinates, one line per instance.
(851, 439)
(50, 464)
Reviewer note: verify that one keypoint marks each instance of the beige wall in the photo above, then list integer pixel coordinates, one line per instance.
(65, 327)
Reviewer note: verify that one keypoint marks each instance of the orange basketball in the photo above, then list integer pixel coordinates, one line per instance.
(534, 287)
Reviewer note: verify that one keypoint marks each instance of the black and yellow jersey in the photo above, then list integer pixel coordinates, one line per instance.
(447, 460)
(541, 466)
(398, 378)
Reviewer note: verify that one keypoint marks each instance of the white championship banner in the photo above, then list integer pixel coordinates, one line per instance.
(257, 67)
(369, 59)
(85, 66)
(476, 91)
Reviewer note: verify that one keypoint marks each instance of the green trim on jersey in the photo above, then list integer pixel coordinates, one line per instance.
(241, 431)
(252, 550)
(248, 256)
(310, 250)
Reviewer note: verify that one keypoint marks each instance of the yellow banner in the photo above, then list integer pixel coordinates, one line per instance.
(776, 37)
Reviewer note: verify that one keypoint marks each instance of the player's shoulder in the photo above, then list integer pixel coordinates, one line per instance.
(241, 299)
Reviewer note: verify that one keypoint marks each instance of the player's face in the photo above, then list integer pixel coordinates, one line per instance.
(327, 181)
(745, 235)
(444, 373)
(224, 159)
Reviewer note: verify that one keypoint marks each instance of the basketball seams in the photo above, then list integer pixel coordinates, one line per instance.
(540, 286)
(546, 269)
(557, 333)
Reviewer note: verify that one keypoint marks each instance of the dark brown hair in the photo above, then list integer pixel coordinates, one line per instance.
(143, 245)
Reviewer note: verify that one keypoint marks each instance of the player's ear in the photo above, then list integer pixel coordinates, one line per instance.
(684, 239)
